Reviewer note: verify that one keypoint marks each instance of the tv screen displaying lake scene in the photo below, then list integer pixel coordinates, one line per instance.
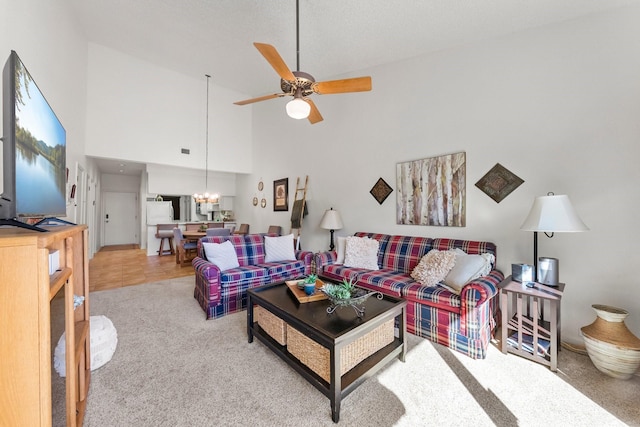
(40, 151)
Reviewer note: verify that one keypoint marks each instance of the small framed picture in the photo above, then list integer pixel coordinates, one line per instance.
(281, 194)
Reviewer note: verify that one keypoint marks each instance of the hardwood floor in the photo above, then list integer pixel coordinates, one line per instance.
(116, 267)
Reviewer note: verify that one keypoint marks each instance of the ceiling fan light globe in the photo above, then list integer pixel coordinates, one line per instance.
(298, 109)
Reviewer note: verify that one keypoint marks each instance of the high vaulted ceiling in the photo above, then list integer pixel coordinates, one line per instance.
(197, 37)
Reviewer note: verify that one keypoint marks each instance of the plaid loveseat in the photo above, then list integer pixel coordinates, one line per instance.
(224, 292)
(461, 322)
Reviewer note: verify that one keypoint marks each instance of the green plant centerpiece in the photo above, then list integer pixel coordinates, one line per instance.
(346, 294)
(308, 280)
(203, 227)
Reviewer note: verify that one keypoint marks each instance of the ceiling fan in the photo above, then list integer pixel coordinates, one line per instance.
(301, 85)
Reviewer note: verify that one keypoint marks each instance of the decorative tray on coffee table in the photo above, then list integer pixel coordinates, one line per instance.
(356, 301)
(301, 296)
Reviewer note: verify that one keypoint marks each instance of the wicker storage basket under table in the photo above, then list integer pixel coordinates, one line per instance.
(271, 324)
(316, 357)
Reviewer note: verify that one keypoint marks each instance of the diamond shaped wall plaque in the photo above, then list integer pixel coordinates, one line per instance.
(499, 182)
(381, 190)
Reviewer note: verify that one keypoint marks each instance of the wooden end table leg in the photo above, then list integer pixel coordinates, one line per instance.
(554, 341)
(504, 302)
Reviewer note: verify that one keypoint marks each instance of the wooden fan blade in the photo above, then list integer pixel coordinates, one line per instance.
(273, 57)
(260, 98)
(357, 84)
(314, 115)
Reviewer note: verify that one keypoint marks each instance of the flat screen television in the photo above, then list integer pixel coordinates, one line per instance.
(34, 151)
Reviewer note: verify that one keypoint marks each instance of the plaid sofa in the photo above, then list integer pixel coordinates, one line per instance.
(224, 292)
(461, 322)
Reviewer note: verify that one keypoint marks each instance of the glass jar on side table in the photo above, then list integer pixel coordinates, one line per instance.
(525, 329)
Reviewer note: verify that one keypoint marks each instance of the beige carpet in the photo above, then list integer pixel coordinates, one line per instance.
(174, 368)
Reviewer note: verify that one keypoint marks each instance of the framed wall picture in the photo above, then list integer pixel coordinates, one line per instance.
(432, 191)
(281, 194)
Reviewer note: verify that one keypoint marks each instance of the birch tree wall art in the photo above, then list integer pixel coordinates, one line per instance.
(432, 191)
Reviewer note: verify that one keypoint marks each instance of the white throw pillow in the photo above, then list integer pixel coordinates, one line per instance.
(279, 248)
(467, 268)
(361, 252)
(433, 267)
(222, 255)
(341, 248)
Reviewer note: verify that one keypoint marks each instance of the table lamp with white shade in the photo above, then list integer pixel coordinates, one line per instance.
(550, 214)
(331, 221)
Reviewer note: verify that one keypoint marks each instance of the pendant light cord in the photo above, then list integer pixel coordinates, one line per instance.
(206, 150)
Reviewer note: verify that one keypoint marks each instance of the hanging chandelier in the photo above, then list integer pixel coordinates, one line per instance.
(206, 197)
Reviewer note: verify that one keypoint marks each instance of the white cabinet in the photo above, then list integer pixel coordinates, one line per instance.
(205, 208)
(226, 203)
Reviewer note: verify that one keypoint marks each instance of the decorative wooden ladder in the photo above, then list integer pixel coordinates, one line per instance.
(297, 213)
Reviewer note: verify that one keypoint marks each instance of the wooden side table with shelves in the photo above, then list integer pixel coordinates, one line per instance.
(524, 328)
(26, 292)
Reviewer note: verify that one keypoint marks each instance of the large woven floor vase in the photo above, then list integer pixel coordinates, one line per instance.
(612, 347)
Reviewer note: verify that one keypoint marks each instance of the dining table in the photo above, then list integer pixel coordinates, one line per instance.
(193, 234)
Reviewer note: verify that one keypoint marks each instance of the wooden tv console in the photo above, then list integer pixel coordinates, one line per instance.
(26, 292)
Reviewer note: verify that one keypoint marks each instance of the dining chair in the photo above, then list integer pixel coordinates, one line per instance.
(185, 250)
(243, 229)
(218, 232)
(275, 229)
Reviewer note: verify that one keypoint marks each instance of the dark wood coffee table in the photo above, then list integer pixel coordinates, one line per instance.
(336, 340)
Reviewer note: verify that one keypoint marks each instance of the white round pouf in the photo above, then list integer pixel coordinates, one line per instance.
(104, 339)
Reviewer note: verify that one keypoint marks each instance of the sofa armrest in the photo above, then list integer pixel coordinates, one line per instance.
(307, 258)
(475, 304)
(323, 259)
(480, 290)
(207, 279)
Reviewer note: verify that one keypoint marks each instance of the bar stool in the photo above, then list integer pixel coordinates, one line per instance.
(244, 229)
(165, 231)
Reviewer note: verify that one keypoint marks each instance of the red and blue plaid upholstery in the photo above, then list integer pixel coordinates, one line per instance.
(340, 272)
(403, 253)
(281, 271)
(461, 322)
(220, 293)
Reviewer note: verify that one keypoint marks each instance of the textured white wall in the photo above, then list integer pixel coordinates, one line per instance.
(182, 181)
(138, 111)
(51, 46)
(559, 106)
(120, 183)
